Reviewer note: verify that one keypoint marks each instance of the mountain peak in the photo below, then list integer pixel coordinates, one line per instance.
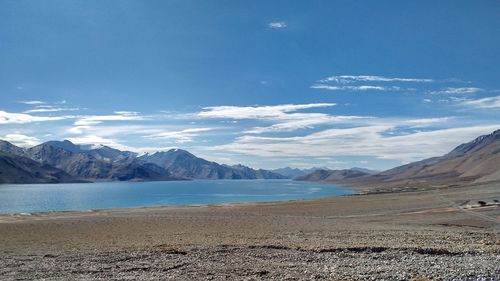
(475, 144)
(65, 144)
(178, 151)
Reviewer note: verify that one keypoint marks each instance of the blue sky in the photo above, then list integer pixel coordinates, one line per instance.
(267, 84)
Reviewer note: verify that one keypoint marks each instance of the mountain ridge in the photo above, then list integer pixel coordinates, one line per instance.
(186, 164)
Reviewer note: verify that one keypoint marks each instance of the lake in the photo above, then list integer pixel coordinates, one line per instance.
(26, 198)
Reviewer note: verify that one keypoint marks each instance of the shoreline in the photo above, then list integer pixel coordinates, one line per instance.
(343, 191)
(48, 214)
(357, 191)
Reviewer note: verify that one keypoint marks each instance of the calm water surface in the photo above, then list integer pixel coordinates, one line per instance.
(17, 198)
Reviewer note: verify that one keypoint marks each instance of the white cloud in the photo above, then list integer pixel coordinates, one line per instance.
(277, 24)
(396, 84)
(21, 140)
(97, 119)
(32, 102)
(96, 140)
(115, 130)
(309, 121)
(284, 116)
(182, 136)
(347, 79)
(272, 112)
(78, 129)
(368, 87)
(359, 141)
(22, 118)
(452, 91)
(489, 102)
(425, 122)
(48, 108)
(327, 87)
(129, 113)
(356, 88)
(359, 83)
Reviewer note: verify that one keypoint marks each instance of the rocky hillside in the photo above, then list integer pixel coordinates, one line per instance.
(19, 169)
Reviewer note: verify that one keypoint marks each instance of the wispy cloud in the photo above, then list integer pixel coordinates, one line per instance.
(425, 122)
(21, 140)
(489, 102)
(182, 136)
(96, 140)
(277, 24)
(356, 88)
(308, 121)
(118, 116)
(22, 118)
(50, 108)
(32, 102)
(128, 113)
(452, 91)
(367, 83)
(257, 112)
(285, 117)
(366, 141)
(347, 79)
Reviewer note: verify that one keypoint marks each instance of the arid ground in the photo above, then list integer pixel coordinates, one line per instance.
(444, 233)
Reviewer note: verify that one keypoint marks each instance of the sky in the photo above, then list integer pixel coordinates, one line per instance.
(268, 84)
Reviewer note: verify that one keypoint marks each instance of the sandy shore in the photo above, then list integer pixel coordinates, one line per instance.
(441, 234)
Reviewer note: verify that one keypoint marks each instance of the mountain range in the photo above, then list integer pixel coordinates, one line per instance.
(63, 161)
(477, 161)
(474, 162)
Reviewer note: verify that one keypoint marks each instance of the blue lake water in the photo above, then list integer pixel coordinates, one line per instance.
(25, 198)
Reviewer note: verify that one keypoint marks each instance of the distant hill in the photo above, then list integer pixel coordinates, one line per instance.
(332, 175)
(364, 170)
(295, 172)
(42, 163)
(477, 161)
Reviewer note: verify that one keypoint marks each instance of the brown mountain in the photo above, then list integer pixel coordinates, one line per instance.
(474, 162)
